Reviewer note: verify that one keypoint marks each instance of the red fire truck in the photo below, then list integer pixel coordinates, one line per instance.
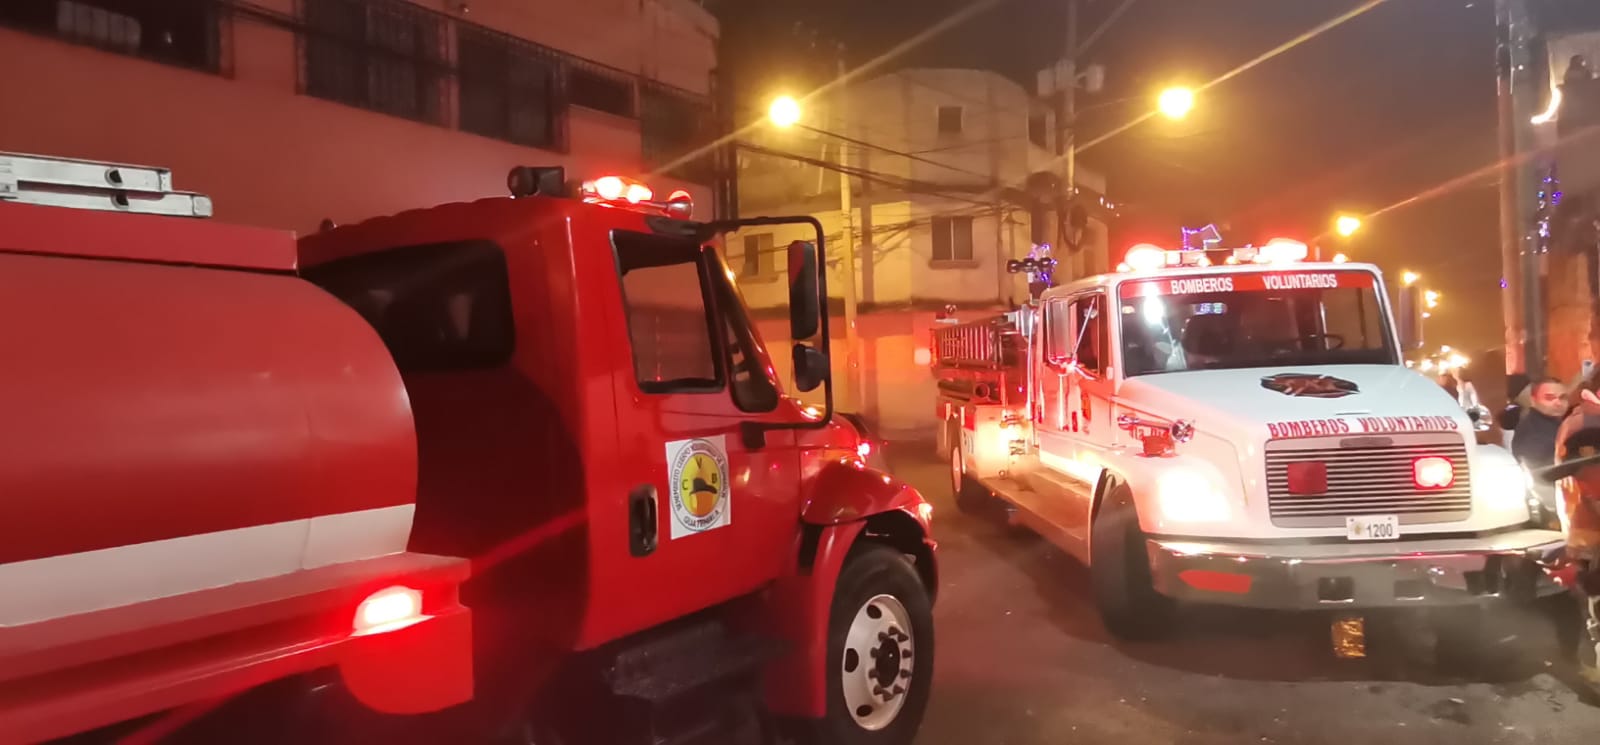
(232, 460)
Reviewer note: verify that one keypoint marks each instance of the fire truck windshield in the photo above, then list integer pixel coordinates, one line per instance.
(1248, 320)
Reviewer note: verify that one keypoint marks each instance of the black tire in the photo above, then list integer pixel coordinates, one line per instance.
(1119, 570)
(870, 571)
(970, 496)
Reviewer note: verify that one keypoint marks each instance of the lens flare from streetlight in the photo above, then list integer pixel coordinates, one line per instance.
(784, 112)
(1408, 279)
(1176, 103)
(1347, 225)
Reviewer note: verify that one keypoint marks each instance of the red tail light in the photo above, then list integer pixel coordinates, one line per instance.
(1433, 472)
(1310, 477)
(389, 609)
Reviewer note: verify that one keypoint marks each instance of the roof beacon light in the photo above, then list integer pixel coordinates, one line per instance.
(637, 193)
(617, 191)
(608, 188)
(1284, 251)
(1145, 258)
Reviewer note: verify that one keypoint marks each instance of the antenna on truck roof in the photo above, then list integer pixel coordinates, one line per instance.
(95, 185)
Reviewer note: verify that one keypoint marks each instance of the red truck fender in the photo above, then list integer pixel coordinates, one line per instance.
(846, 490)
(847, 503)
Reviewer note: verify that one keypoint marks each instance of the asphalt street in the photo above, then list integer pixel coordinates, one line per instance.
(1022, 659)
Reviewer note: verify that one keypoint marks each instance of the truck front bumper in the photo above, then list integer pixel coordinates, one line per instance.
(1501, 567)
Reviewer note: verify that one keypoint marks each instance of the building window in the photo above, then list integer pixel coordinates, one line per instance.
(382, 55)
(601, 91)
(671, 125)
(1039, 130)
(508, 89)
(952, 239)
(950, 120)
(178, 32)
(759, 260)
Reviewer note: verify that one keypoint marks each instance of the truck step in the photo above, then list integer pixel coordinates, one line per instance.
(686, 659)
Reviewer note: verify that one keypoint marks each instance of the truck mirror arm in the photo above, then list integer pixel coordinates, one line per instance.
(754, 433)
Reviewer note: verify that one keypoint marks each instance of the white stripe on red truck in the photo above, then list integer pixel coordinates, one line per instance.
(69, 584)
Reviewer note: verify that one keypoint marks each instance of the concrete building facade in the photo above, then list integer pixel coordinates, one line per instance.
(288, 112)
(946, 168)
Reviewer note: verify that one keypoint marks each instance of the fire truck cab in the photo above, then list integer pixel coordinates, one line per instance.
(234, 461)
(1233, 427)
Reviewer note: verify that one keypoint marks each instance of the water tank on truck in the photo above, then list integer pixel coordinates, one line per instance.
(207, 468)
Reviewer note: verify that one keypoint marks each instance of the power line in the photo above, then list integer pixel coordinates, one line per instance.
(904, 184)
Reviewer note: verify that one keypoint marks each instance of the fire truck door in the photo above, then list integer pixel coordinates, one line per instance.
(1089, 405)
(709, 515)
(1054, 384)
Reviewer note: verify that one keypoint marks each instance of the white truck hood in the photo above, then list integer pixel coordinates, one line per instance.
(1257, 404)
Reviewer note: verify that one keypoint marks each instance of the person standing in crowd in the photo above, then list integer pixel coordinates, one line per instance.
(1577, 478)
(1534, 443)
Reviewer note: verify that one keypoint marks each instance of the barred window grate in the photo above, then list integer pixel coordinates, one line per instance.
(507, 89)
(186, 33)
(380, 55)
(601, 91)
(671, 126)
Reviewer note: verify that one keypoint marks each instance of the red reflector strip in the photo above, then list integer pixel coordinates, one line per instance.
(1308, 478)
(1226, 582)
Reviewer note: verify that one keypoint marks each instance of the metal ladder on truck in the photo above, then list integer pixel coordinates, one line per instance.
(95, 185)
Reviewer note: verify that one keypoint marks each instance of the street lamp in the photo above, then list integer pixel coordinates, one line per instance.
(1408, 278)
(1176, 103)
(1347, 225)
(784, 112)
(1431, 299)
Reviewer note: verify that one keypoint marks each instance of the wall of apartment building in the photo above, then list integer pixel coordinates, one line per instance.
(923, 252)
(291, 112)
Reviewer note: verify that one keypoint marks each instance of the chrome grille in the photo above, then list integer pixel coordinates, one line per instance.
(1367, 476)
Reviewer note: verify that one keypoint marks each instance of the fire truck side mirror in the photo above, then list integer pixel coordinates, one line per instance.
(810, 367)
(805, 301)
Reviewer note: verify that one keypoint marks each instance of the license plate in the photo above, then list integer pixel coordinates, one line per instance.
(1372, 528)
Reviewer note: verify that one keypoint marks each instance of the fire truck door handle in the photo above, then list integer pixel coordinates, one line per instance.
(642, 520)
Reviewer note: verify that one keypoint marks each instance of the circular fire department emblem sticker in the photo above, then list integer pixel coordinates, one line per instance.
(699, 471)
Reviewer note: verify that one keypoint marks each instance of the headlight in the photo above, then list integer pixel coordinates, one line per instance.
(1189, 496)
(1502, 484)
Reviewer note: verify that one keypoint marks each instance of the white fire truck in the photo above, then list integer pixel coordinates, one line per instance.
(1233, 427)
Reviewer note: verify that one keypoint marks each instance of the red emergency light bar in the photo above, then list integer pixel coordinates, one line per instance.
(607, 191)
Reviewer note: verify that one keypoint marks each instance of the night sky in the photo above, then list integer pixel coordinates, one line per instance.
(1382, 108)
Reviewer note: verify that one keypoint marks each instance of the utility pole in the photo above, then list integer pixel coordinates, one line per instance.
(847, 252)
(1066, 127)
(1522, 304)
